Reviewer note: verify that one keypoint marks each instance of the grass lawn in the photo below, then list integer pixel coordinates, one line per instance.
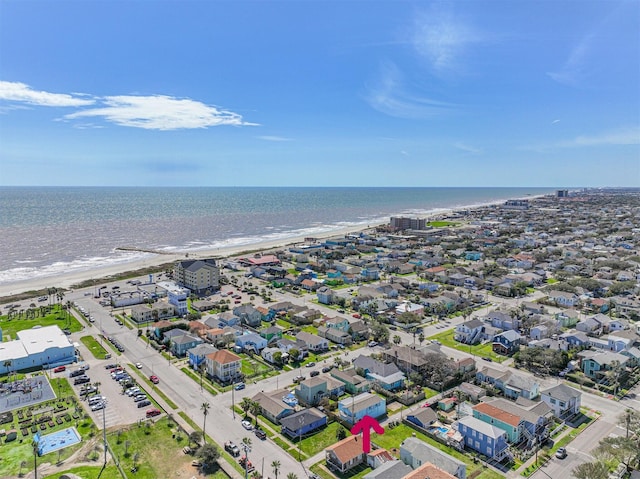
(319, 441)
(442, 224)
(56, 317)
(94, 346)
(251, 368)
(393, 437)
(482, 350)
(110, 472)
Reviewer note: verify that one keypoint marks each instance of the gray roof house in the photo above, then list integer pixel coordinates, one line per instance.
(415, 453)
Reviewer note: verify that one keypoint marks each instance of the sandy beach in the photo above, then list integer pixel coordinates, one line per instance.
(68, 280)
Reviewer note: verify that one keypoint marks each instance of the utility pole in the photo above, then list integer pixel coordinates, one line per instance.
(104, 435)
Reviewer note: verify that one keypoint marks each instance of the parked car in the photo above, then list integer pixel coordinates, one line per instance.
(153, 412)
(232, 449)
(81, 380)
(59, 369)
(247, 425)
(99, 405)
(561, 453)
(260, 434)
(76, 373)
(298, 379)
(239, 386)
(140, 397)
(372, 344)
(314, 373)
(326, 369)
(144, 403)
(311, 364)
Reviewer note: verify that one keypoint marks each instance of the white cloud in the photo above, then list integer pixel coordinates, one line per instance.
(160, 112)
(20, 92)
(468, 149)
(622, 136)
(574, 68)
(389, 95)
(442, 39)
(274, 138)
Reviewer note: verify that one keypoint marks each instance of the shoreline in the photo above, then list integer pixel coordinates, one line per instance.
(100, 274)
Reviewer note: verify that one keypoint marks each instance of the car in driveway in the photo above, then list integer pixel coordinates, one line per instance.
(247, 425)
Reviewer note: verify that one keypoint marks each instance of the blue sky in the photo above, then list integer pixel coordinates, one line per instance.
(319, 93)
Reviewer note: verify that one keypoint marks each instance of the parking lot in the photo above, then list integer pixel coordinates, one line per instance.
(120, 409)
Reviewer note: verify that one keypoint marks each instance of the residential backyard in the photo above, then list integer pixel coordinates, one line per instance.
(483, 350)
(392, 438)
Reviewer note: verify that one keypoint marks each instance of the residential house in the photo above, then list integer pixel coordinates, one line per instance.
(563, 298)
(311, 390)
(272, 405)
(595, 364)
(428, 471)
(223, 365)
(181, 344)
(334, 335)
(423, 417)
(501, 320)
(470, 332)
(353, 382)
(345, 455)
(271, 333)
(415, 453)
(325, 295)
(507, 343)
(197, 354)
(355, 408)
(313, 343)
(387, 468)
(573, 340)
(269, 354)
(228, 318)
(386, 375)
(565, 401)
(251, 342)
(248, 315)
(484, 438)
(303, 422)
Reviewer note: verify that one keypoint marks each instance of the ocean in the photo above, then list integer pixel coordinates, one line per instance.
(48, 230)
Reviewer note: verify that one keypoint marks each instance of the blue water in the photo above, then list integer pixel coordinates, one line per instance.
(48, 230)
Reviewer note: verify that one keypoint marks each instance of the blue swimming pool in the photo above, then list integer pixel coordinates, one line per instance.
(57, 440)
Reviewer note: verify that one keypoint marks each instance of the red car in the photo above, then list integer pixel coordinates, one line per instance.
(153, 412)
(154, 379)
(59, 369)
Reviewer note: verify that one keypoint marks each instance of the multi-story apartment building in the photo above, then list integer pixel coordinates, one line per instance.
(197, 275)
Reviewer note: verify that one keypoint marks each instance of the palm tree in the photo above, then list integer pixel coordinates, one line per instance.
(245, 405)
(275, 465)
(292, 475)
(205, 410)
(397, 340)
(255, 409)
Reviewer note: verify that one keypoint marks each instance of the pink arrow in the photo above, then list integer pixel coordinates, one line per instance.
(364, 426)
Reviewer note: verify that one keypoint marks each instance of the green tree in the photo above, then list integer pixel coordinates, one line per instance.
(275, 465)
(397, 340)
(205, 411)
(620, 448)
(195, 437)
(341, 433)
(255, 409)
(209, 454)
(245, 405)
(292, 475)
(591, 470)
